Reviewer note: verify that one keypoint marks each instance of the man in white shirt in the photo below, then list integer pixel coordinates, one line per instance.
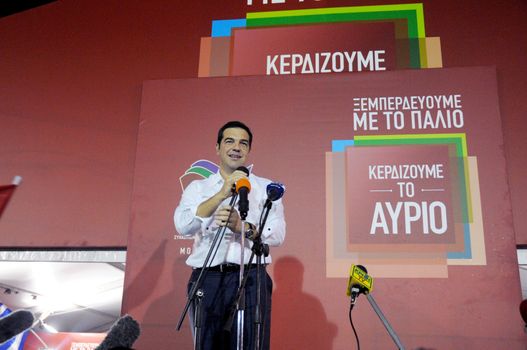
(204, 207)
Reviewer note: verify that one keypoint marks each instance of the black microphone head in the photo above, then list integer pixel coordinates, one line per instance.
(244, 169)
(362, 268)
(15, 323)
(275, 191)
(523, 310)
(122, 334)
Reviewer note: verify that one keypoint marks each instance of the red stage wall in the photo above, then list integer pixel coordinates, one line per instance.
(71, 75)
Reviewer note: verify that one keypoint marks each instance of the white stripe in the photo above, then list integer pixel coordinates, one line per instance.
(16, 342)
(4, 310)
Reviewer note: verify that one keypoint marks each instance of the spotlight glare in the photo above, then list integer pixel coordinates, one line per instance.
(49, 328)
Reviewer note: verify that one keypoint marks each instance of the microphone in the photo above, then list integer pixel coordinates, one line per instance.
(240, 168)
(243, 187)
(359, 282)
(523, 310)
(275, 191)
(123, 333)
(244, 169)
(15, 323)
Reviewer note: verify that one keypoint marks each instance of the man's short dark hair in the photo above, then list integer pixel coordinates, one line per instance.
(234, 124)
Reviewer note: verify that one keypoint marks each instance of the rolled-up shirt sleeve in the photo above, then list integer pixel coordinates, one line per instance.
(274, 230)
(185, 219)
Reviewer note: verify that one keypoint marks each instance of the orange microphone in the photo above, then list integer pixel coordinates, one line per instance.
(243, 187)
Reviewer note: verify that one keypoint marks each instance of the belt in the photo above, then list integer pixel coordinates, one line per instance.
(230, 267)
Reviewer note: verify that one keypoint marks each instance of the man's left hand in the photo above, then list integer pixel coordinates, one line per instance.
(222, 218)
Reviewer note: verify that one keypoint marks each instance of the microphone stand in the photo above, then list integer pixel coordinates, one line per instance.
(258, 249)
(241, 288)
(196, 293)
(385, 322)
(243, 208)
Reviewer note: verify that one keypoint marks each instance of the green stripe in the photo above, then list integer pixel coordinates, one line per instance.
(440, 141)
(344, 9)
(200, 171)
(410, 16)
(458, 138)
(412, 12)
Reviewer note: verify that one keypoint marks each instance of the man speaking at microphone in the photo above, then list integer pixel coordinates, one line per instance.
(204, 207)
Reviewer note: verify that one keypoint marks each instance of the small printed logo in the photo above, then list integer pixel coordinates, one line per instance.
(200, 169)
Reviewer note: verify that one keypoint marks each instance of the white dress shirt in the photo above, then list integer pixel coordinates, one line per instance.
(204, 229)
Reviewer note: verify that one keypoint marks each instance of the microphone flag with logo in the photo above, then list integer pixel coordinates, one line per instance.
(359, 281)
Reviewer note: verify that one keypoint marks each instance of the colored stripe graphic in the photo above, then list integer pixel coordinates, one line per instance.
(461, 154)
(206, 164)
(414, 49)
(410, 15)
(413, 13)
(459, 140)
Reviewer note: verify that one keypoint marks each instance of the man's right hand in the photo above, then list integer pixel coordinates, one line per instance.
(208, 207)
(229, 186)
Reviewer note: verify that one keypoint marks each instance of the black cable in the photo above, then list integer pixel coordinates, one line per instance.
(353, 327)
(261, 217)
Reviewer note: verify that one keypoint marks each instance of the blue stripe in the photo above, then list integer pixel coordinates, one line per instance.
(340, 145)
(6, 311)
(225, 26)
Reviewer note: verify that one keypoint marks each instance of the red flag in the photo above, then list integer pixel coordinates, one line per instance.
(6, 192)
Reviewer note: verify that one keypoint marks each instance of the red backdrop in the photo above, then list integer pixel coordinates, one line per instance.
(70, 96)
(294, 120)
